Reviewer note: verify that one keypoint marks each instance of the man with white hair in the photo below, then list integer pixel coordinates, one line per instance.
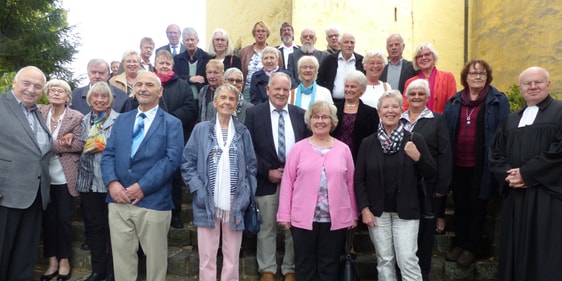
(308, 40)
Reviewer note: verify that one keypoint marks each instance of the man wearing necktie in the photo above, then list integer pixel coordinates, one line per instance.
(174, 46)
(138, 162)
(275, 126)
(25, 145)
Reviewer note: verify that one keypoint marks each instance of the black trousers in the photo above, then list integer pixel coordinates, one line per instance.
(470, 211)
(57, 223)
(19, 240)
(318, 251)
(177, 192)
(97, 231)
(426, 235)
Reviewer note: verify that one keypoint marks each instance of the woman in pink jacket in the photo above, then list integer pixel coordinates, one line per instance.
(317, 199)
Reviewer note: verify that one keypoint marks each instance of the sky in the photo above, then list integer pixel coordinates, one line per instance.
(108, 28)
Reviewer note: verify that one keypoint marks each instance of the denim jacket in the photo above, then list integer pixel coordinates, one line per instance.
(194, 171)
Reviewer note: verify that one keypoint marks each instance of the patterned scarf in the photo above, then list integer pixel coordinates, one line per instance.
(96, 137)
(390, 144)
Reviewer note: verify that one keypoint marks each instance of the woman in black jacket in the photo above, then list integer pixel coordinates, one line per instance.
(433, 127)
(389, 166)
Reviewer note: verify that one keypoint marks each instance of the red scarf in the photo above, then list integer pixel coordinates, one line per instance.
(164, 78)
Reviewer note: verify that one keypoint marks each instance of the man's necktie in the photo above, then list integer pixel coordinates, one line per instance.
(174, 52)
(281, 136)
(138, 134)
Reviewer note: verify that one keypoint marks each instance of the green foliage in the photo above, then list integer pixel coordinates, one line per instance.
(36, 32)
(6, 81)
(515, 98)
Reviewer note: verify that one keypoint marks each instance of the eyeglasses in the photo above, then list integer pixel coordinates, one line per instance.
(424, 55)
(528, 84)
(322, 117)
(56, 90)
(476, 74)
(413, 94)
(234, 81)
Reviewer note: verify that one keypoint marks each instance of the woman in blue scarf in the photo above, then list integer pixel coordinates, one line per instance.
(308, 91)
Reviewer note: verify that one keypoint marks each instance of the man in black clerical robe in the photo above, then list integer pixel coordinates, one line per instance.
(527, 161)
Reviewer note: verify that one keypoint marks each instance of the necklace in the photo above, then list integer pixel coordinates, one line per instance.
(351, 105)
(468, 115)
(54, 123)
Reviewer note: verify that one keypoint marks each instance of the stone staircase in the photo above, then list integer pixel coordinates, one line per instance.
(183, 256)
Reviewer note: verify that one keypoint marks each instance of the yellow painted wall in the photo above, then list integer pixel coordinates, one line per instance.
(513, 35)
(440, 22)
(238, 17)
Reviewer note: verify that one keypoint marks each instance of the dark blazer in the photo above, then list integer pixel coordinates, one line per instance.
(177, 99)
(406, 72)
(152, 167)
(436, 135)
(258, 121)
(284, 64)
(258, 93)
(22, 164)
(231, 61)
(169, 49)
(121, 102)
(294, 59)
(181, 66)
(329, 69)
(69, 157)
(369, 176)
(366, 123)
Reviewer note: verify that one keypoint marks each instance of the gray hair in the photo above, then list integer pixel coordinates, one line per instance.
(305, 59)
(358, 77)
(212, 50)
(418, 51)
(189, 30)
(317, 106)
(391, 94)
(375, 53)
(418, 84)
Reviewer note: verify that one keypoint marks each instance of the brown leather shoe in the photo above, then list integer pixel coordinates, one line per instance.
(466, 258)
(453, 254)
(267, 276)
(290, 276)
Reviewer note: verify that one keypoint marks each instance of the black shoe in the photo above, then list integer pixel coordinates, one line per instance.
(85, 246)
(176, 222)
(95, 277)
(48, 277)
(64, 277)
(110, 277)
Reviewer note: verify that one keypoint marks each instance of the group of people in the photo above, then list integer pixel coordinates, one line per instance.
(324, 140)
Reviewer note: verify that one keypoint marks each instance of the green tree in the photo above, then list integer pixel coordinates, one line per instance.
(36, 32)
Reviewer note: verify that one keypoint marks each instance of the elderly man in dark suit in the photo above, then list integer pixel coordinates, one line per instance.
(398, 69)
(25, 145)
(138, 163)
(98, 71)
(308, 39)
(174, 46)
(334, 67)
(267, 122)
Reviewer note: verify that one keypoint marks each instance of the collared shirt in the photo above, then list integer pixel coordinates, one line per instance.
(409, 126)
(289, 132)
(146, 65)
(393, 73)
(41, 134)
(150, 115)
(343, 68)
(286, 52)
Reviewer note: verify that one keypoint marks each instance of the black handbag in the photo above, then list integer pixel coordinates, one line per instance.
(252, 217)
(348, 272)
